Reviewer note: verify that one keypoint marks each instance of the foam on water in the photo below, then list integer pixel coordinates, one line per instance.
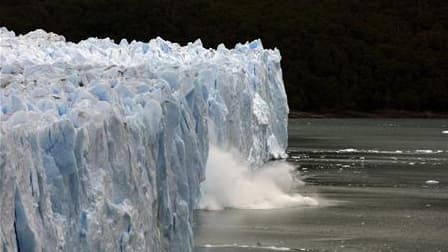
(231, 183)
(272, 248)
(421, 151)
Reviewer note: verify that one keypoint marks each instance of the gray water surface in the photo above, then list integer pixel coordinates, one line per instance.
(371, 179)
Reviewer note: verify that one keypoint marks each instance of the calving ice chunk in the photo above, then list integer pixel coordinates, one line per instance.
(103, 146)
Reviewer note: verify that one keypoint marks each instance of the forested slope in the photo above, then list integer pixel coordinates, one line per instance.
(337, 54)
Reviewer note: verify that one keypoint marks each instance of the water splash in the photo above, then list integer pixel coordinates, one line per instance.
(230, 183)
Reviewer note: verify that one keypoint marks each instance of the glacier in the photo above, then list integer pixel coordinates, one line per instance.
(104, 145)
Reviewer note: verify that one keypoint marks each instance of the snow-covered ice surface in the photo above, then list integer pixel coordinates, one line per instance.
(103, 146)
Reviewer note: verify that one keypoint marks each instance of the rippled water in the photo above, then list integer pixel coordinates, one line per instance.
(382, 185)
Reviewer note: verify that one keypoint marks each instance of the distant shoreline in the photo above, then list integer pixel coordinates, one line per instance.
(373, 114)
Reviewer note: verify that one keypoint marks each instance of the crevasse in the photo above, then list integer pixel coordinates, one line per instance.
(103, 146)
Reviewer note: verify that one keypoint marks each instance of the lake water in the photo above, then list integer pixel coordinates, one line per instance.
(382, 185)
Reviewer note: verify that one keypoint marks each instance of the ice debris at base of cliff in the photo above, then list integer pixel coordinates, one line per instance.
(103, 146)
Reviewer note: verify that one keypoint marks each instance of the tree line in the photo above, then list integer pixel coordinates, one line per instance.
(337, 55)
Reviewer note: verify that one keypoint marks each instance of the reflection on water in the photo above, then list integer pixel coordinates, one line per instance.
(383, 185)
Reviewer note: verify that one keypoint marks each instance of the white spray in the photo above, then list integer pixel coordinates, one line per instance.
(230, 183)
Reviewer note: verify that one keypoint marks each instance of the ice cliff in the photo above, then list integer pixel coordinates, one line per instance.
(103, 146)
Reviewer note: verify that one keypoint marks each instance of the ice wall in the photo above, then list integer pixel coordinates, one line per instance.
(103, 146)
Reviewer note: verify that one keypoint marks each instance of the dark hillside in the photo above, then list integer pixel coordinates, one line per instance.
(338, 55)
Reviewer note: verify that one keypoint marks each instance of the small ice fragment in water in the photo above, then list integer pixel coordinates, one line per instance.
(432, 182)
(347, 150)
(445, 132)
(424, 151)
(411, 163)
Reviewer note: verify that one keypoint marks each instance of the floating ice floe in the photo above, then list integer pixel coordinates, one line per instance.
(428, 151)
(432, 182)
(348, 150)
